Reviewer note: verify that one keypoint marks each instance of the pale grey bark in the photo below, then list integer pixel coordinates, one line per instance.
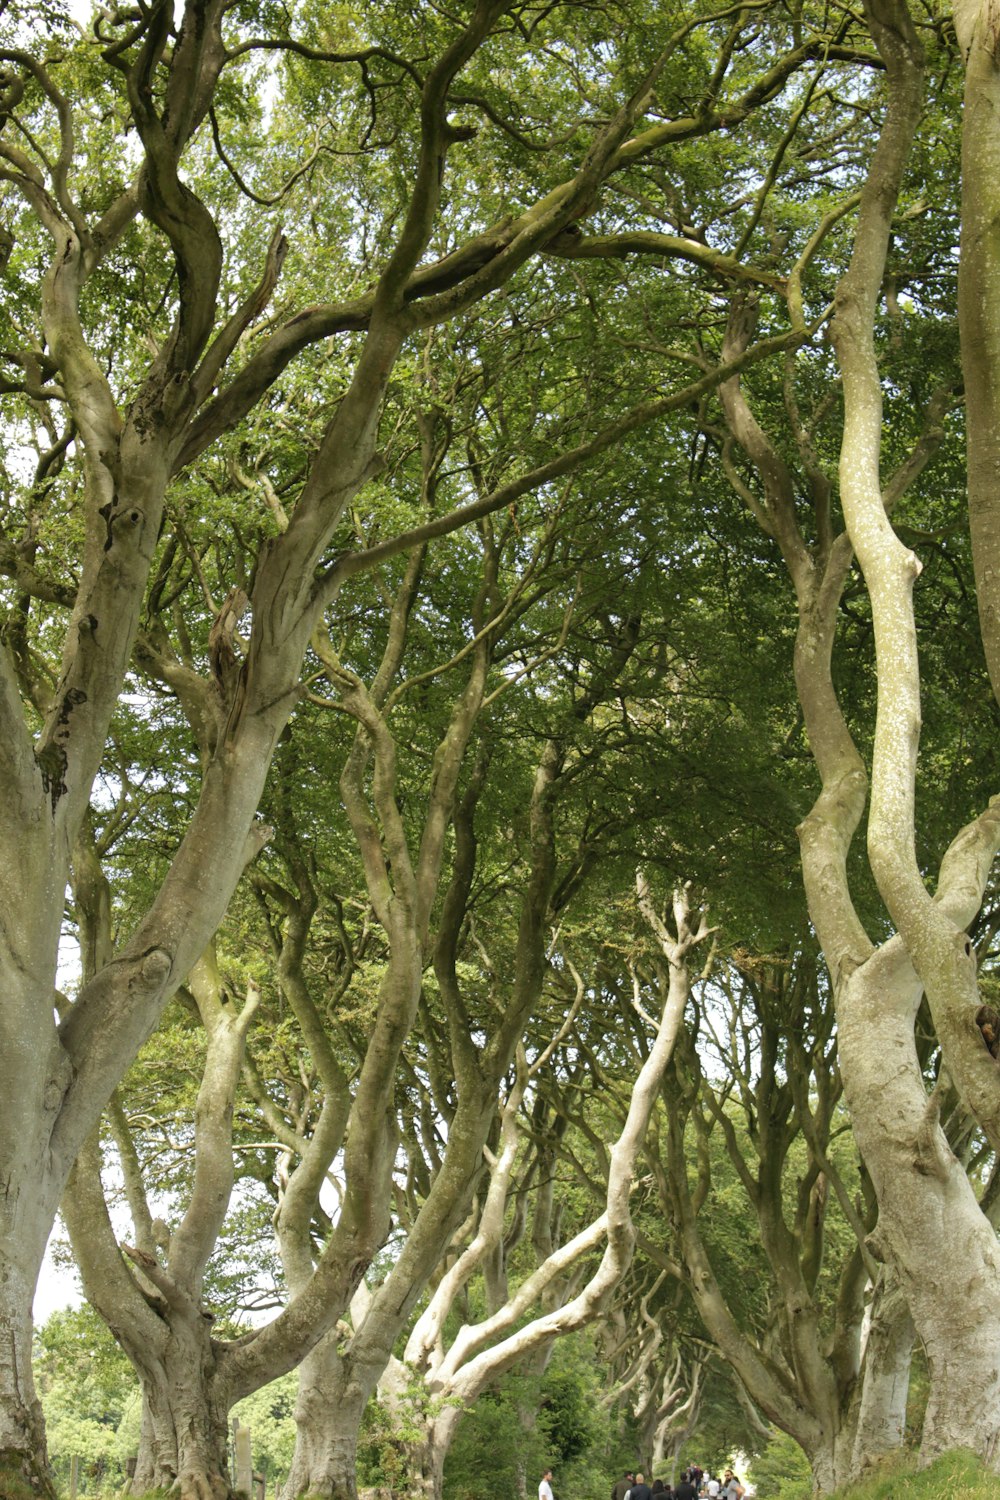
(918, 1181)
(796, 1384)
(479, 1354)
(157, 1314)
(55, 1084)
(344, 1373)
(646, 1372)
(888, 1339)
(402, 889)
(424, 1345)
(64, 1076)
(771, 1087)
(978, 293)
(674, 1412)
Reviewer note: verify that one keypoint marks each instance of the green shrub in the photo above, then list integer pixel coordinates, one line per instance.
(781, 1471)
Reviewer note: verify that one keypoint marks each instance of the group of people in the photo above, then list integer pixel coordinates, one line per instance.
(694, 1484)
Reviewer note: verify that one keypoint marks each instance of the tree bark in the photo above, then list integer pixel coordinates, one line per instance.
(480, 1354)
(33, 1081)
(54, 1085)
(888, 1349)
(156, 1455)
(328, 1413)
(922, 1188)
(185, 1403)
(402, 892)
(925, 1199)
(821, 1423)
(23, 1458)
(168, 1339)
(157, 1317)
(188, 1413)
(978, 299)
(923, 1195)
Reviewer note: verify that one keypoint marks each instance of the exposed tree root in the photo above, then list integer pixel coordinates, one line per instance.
(195, 1484)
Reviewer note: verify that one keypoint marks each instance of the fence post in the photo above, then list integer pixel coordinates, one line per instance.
(244, 1464)
(74, 1475)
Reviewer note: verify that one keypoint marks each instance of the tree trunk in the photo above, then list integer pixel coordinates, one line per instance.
(328, 1415)
(168, 1340)
(831, 1463)
(426, 1455)
(804, 1394)
(674, 1408)
(34, 1076)
(944, 1247)
(978, 290)
(941, 1243)
(886, 1375)
(184, 1422)
(156, 1458)
(26, 1214)
(428, 1463)
(23, 1462)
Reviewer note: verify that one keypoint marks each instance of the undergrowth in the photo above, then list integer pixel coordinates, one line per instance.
(959, 1473)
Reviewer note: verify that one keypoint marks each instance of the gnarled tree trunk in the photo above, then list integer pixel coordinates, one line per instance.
(328, 1414)
(184, 1434)
(925, 1198)
(925, 1203)
(888, 1349)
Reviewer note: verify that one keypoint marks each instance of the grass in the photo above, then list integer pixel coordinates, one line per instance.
(958, 1473)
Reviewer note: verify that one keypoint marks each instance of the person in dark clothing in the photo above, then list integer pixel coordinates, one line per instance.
(686, 1490)
(656, 1488)
(621, 1487)
(640, 1490)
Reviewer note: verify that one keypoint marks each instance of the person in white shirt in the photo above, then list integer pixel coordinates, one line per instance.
(545, 1488)
(713, 1489)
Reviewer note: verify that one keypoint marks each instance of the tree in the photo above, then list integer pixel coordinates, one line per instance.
(185, 1363)
(780, 1213)
(118, 180)
(919, 1181)
(86, 1387)
(158, 1315)
(342, 1374)
(650, 1373)
(455, 1373)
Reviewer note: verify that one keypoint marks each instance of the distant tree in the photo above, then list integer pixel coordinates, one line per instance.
(86, 1387)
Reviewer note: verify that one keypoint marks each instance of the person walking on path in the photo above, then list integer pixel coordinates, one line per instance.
(640, 1489)
(545, 1486)
(731, 1487)
(621, 1487)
